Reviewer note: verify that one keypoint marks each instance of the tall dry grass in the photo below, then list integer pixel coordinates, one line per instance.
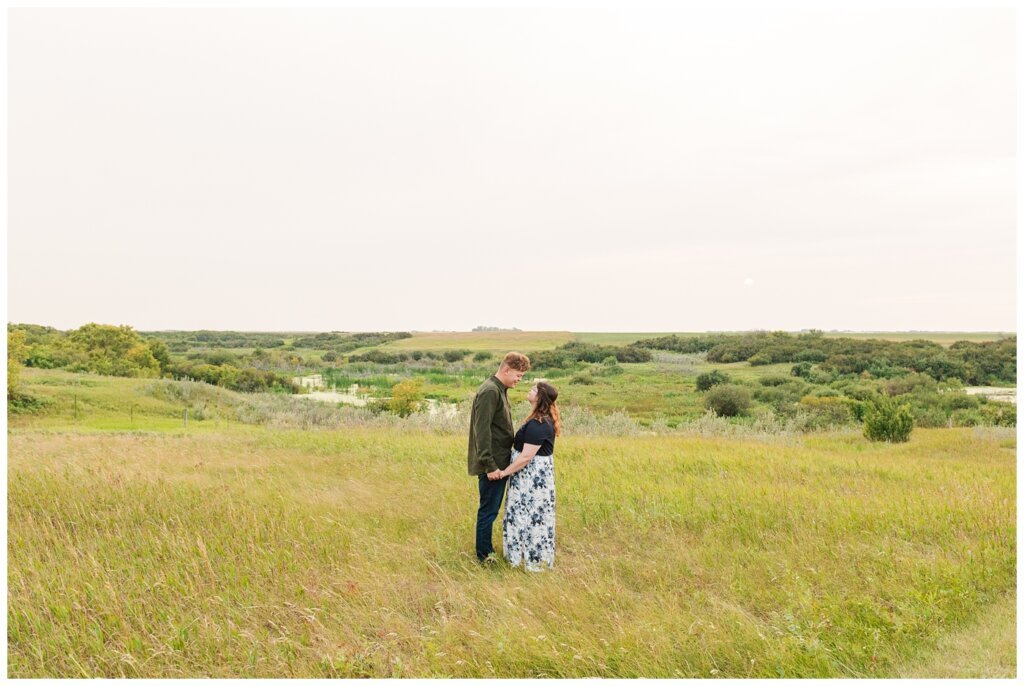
(262, 551)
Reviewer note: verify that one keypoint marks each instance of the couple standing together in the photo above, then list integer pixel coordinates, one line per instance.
(523, 459)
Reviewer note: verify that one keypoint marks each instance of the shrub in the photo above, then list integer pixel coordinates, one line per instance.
(16, 352)
(759, 359)
(858, 390)
(329, 356)
(218, 358)
(780, 400)
(821, 377)
(550, 359)
(454, 355)
(773, 380)
(966, 418)
(610, 366)
(379, 357)
(569, 353)
(630, 353)
(930, 417)
(810, 356)
(803, 370)
(584, 379)
(25, 403)
(827, 411)
(378, 406)
(888, 420)
(694, 344)
(858, 408)
(909, 383)
(960, 401)
(709, 379)
(482, 356)
(999, 414)
(728, 400)
(405, 398)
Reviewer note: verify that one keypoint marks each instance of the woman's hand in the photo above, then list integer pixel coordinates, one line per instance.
(521, 460)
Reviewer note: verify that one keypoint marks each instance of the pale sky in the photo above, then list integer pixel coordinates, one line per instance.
(584, 170)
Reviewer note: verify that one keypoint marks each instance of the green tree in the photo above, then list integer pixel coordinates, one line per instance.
(16, 352)
(405, 398)
(161, 354)
(114, 350)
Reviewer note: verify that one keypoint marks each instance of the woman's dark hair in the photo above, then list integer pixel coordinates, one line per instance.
(546, 407)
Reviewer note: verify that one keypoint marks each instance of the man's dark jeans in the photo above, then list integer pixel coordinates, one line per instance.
(491, 493)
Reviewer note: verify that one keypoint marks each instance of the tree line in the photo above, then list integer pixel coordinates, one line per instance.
(339, 342)
(122, 351)
(986, 363)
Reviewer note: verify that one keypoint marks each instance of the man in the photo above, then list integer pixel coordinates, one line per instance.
(490, 444)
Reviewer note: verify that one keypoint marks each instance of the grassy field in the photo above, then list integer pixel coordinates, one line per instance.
(660, 390)
(140, 548)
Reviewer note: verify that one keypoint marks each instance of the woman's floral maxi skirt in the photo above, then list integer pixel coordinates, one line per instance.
(528, 530)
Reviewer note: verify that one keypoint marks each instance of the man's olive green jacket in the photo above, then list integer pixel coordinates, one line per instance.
(490, 429)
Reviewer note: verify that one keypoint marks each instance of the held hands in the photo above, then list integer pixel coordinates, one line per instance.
(496, 475)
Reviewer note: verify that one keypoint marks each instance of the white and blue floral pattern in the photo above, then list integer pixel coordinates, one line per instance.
(528, 530)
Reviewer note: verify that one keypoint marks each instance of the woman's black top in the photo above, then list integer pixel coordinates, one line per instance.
(536, 433)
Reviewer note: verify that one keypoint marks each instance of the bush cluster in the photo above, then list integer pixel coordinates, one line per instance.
(886, 419)
(245, 380)
(712, 378)
(397, 357)
(96, 348)
(973, 363)
(569, 354)
(728, 400)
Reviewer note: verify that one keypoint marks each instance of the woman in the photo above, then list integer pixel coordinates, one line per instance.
(528, 530)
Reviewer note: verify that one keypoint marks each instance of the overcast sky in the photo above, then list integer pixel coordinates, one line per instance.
(584, 170)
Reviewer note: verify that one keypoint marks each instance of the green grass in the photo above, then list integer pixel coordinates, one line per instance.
(235, 550)
(86, 402)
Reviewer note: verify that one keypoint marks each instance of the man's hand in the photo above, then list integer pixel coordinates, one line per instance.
(495, 475)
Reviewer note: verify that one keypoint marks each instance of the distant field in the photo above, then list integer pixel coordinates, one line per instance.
(502, 341)
(946, 338)
(489, 341)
